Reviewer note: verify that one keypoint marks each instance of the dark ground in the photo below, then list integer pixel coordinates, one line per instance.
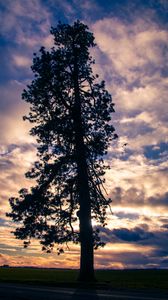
(10, 291)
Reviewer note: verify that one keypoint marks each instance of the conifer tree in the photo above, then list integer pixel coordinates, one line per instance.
(71, 113)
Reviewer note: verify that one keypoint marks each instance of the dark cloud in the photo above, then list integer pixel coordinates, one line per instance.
(165, 226)
(161, 239)
(128, 11)
(131, 196)
(6, 164)
(135, 128)
(10, 148)
(160, 251)
(135, 235)
(123, 215)
(22, 147)
(164, 219)
(27, 147)
(9, 247)
(123, 155)
(116, 195)
(4, 223)
(128, 259)
(146, 219)
(164, 261)
(159, 200)
(140, 236)
(136, 197)
(6, 75)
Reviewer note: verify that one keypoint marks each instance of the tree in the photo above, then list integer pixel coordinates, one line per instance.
(72, 116)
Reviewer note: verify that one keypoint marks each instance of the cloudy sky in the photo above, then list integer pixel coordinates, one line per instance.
(132, 57)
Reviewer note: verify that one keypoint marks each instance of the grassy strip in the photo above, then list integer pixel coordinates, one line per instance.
(137, 279)
(129, 279)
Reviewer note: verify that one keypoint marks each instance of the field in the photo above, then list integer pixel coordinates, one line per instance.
(134, 279)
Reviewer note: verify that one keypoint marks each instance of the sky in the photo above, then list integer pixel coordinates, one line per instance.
(132, 57)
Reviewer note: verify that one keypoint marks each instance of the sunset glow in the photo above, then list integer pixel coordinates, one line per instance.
(131, 56)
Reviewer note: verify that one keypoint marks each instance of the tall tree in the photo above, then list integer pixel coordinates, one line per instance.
(72, 113)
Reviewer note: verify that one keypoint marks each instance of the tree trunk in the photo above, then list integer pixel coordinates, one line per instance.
(86, 231)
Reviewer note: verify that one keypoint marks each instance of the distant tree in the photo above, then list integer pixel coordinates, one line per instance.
(72, 113)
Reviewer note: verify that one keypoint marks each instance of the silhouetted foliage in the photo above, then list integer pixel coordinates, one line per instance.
(72, 116)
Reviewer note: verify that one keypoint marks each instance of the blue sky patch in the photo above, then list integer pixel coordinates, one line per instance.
(156, 151)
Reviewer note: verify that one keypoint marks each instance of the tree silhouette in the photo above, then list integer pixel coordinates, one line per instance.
(72, 116)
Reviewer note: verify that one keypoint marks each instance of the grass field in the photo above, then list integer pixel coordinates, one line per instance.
(134, 279)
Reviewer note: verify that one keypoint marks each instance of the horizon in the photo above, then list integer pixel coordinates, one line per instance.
(77, 269)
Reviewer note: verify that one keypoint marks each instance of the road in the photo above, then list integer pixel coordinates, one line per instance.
(25, 292)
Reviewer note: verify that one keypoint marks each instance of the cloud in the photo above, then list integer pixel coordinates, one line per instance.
(135, 247)
(135, 235)
(134, 60)
(165, 226)
(137, 198)
(22, 61)
(11, 148)
(131, 56)
(131, 47)
(5, 164)
(25, 27)
(4, 223)
(38, 259)
(17, 147)
(24, 148)
(3, 259)
(160, 200)
(14, 162)
(23, 18)
(127, 215)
